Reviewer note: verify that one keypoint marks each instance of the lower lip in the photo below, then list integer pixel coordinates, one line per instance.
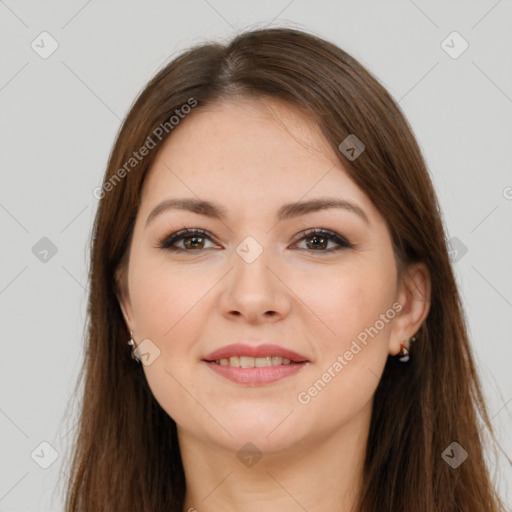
(256, 376)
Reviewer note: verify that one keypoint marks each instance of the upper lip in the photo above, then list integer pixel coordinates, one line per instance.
(242, 349)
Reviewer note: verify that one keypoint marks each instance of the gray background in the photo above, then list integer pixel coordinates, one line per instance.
(59, 119)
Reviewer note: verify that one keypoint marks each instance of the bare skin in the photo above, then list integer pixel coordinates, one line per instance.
(251, 157)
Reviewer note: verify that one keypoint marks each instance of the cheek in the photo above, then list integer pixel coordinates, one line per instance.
(353, 352)
(165, 297)
(350, 300)
(169, 308)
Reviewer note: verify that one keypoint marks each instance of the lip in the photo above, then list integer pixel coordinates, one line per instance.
(242, 349)
(255, 376)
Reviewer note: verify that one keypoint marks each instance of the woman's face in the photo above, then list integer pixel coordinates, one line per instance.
(255, 277)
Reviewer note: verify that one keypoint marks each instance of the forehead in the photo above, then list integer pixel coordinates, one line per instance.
(248, 153)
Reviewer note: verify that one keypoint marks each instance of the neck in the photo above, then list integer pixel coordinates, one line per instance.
(316, 474)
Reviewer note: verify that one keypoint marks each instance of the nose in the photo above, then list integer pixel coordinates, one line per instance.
(255, 292)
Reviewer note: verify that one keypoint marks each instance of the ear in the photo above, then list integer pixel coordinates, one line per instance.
(413, 295)
(123, 296)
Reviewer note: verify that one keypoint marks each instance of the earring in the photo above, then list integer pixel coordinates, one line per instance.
(132, 344)
(403, 355)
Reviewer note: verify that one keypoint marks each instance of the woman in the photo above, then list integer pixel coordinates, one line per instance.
(274, 322)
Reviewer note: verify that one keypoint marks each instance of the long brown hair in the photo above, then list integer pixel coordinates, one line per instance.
(126, 454)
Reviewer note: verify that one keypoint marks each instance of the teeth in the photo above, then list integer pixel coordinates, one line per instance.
(252, 362)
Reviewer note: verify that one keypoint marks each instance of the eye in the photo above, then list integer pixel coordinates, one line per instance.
(192, 238)
(320, 239)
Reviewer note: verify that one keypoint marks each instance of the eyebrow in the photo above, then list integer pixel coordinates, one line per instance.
(287, 211)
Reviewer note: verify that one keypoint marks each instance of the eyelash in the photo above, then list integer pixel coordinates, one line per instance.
(168, 241)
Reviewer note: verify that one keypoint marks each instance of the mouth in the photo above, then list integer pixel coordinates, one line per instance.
(255, 365)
